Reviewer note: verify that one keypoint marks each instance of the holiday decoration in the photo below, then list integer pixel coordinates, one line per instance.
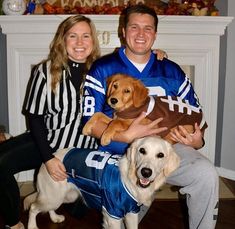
(171, 7)
(13, 7)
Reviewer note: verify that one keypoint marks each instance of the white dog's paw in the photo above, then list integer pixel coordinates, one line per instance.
(58, 219)
(32, 227)
(55, 217)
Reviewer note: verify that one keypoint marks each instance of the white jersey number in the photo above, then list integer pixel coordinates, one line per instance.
(89, 106)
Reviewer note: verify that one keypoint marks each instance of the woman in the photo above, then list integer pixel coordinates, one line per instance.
(52, 107)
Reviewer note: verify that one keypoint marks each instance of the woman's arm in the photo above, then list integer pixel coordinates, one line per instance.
(161, 54)
(38, 130)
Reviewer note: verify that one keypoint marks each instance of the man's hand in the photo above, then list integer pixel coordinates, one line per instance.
(56, 169)
(138, 130)
(194, 140)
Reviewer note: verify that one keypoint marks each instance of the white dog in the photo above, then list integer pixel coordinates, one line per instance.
(127, 182)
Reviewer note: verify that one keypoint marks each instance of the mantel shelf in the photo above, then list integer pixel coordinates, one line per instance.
(167, 24)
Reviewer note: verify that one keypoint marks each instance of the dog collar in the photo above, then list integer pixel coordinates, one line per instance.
(133, 112)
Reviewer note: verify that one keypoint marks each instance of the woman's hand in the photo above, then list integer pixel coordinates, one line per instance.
(56, 169)
(138, 130)
(160, 54)
(194, 140)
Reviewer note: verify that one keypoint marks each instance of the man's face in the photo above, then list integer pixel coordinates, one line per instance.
(139, 34)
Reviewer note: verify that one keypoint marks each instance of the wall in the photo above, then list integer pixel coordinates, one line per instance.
(3, 83)
(223, 9)
(227, 153)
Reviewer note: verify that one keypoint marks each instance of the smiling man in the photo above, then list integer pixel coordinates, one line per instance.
(196, 175)
(140, 34)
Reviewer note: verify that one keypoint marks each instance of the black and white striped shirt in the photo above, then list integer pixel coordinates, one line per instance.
(61, 110)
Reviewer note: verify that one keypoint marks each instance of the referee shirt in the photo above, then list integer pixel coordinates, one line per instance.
(61, 111)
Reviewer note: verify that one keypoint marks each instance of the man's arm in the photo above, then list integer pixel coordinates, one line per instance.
(136, 130)
(195, 140)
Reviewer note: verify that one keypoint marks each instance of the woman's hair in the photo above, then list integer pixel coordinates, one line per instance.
(58, 54)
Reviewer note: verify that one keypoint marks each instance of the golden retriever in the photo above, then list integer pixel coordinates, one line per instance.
(129, 97)
(141, 171)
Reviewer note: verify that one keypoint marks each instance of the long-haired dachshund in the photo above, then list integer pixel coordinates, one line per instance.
(129, 97)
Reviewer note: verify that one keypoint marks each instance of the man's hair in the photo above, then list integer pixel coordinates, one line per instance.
(140, 9)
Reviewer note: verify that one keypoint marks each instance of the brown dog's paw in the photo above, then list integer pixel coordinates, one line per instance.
(87, 129)
(105, 139)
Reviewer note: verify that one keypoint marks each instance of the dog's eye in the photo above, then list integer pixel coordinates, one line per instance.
(115, 86)
(160, 155)
(127, 91)
(142, 150)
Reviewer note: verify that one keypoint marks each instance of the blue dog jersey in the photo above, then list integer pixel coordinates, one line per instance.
(97, 176)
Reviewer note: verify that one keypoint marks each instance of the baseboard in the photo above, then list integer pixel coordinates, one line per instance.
(226, 173)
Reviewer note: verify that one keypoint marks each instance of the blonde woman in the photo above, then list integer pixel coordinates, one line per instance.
(52, 107)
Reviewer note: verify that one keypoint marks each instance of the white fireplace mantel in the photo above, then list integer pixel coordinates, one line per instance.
(47, 24)
(188, 40)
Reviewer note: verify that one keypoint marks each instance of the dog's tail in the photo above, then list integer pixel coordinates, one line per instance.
(29, 200)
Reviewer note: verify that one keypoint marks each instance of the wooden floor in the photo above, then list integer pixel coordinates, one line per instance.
(163, 214)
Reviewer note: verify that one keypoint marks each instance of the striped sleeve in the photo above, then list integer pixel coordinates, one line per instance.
(36, 95)
(94, 96)
(187, 92)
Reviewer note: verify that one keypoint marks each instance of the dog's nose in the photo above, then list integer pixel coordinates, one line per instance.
(113, 100)
(146, 172)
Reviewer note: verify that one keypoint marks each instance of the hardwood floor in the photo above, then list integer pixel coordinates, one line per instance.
(163, 214)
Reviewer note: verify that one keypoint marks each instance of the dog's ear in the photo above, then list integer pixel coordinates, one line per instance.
(109, 81)
(131, 153)
(140, 93)
(173, 160)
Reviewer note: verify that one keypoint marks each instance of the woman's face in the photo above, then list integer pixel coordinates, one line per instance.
(79, 42)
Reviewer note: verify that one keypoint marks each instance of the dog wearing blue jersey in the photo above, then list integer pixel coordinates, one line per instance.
(116, 185)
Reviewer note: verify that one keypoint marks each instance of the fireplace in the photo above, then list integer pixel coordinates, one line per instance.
(192, 42)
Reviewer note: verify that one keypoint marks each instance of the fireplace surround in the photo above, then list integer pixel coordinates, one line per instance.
(192, 42)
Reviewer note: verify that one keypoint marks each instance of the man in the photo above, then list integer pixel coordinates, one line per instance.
(196, 175)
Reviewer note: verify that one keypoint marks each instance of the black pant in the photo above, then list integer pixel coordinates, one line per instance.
(16, 155)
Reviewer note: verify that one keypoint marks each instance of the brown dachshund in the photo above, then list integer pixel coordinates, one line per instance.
(129, 97)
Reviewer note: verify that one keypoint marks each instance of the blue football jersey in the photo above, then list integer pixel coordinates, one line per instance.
(162, 78)
(97, 176)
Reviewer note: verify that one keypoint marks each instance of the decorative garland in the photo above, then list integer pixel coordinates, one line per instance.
(171, 7)
(162, 7)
